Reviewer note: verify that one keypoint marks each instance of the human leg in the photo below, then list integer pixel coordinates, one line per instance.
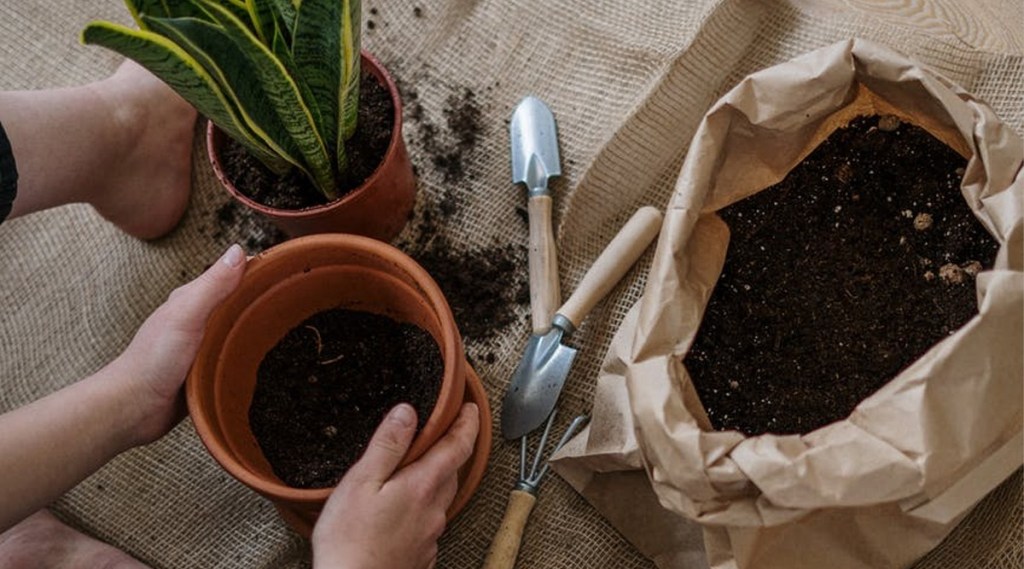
(43, 542)
(122, 144)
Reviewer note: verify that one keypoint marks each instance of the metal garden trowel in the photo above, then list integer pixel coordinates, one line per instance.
(538, 379)
(535, 160)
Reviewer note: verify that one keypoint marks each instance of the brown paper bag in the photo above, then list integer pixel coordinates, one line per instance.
(885, 485)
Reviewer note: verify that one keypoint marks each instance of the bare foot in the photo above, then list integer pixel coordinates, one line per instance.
(43, 542)
(149, 188)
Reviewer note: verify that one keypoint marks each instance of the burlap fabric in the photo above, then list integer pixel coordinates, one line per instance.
(628, 83)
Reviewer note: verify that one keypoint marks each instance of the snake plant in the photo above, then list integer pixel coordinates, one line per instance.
(281, 77)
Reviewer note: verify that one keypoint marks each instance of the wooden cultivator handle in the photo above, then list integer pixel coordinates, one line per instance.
(505, 547)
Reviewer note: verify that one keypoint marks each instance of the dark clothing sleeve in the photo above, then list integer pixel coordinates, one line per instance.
(8, 176)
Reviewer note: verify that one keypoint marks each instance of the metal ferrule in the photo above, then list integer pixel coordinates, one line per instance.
(538, 191)
(525, 486)
(563, 323)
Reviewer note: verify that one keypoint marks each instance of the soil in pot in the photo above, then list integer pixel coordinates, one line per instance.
(837, 278)
(365, 151)
(324, 388)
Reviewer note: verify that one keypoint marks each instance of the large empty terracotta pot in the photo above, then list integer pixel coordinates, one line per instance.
(283, 287)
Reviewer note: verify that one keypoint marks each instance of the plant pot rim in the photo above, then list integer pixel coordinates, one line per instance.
(382, 75)
(207, 424)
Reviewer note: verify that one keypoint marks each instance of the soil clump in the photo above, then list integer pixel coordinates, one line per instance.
(485, 285)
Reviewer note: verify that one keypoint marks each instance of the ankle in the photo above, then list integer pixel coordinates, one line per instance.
(150, 131)
(125, 115)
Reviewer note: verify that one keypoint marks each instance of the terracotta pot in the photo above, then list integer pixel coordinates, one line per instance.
(282, 287)
(378, 208)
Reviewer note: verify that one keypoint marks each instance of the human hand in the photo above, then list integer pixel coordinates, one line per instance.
(156, 362)
(378, 518)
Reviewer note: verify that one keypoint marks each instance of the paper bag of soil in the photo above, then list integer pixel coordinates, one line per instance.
(884, 485)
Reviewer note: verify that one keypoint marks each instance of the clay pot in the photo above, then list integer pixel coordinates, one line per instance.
(378, 208)
(282, 287)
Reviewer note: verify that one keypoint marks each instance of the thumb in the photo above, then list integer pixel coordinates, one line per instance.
(388, 446)
(191, 304)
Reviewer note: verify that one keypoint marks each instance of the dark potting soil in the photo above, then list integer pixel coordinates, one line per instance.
(251, 230)
(449, 150)
(485, 285)
(365, 151)
(325, 387)
(837, 278)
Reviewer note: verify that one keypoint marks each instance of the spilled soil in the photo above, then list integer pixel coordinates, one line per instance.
(449, 150)
(256, 233)
(486, 285)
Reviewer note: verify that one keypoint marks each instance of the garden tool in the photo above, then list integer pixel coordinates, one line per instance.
(534, 161)
(538, 379)
(505, 547)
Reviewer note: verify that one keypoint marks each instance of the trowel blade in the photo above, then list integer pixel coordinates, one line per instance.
(536, 384)
(534, 142)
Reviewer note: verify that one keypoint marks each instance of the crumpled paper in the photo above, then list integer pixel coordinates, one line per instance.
(878, 489)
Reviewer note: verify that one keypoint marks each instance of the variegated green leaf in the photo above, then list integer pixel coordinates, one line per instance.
(163, 9)
(282, 50)
(349, 94)
(315, 47)
(326, 53)
(235, 75)
(261, 14)
(284, 11)
(175, 67)
(284, 55)
(298, 116)
(239, 9)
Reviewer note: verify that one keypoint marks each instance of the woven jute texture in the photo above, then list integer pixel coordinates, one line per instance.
(628, 82)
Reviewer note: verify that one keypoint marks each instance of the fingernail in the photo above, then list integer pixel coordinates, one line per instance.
(233, 256)
(403, 415)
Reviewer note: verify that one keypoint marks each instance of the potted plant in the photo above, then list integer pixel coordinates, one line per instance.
(281, 81)
(282, 289)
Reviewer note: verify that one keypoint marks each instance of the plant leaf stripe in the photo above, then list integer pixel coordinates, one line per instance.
(284, 94)
(236, 76)
(182, 73)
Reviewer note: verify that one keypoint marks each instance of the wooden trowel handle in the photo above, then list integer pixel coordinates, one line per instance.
(505, 547)
(544, 292)
(613, 263)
